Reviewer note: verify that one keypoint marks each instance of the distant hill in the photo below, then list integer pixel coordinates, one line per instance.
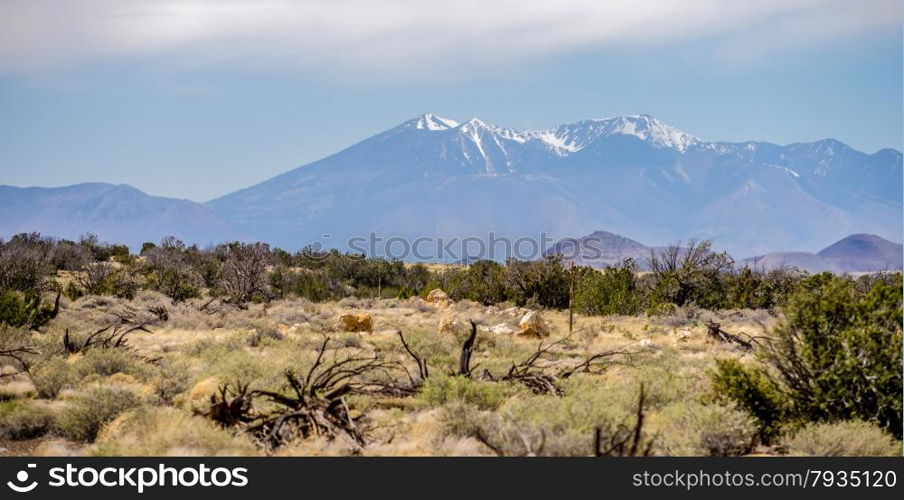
(115, 213)
(855, 253)
(601, 249)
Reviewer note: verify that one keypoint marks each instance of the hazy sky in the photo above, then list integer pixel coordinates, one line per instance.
(195, 99)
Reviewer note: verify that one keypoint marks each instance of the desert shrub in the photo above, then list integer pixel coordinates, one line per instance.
(613, 291)
(843, 439)
(92, 408)
(757, 289)
(24, 419)
(483, 282)
(169, 271)
(306, 284)
(695, 429)
(665, 376)
(51, 376)
(243, 276)
(263, 336)
(239, 368)
(543, 282)
(155, 431)
(439, 390)
(103, 278)
(171, 379)
(754, 391)
(24, 262)
(106, 362)
(836, 355)
(26, 309)
(69, 256)
(542, 425)
(690, 274)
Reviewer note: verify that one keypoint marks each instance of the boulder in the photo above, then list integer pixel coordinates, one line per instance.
(347, 322)
(453, 326)
(365, 322)
(647, 344)
(532, 325)
(361, 322)
(439, 298)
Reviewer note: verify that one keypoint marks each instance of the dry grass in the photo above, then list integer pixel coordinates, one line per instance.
(175, 368)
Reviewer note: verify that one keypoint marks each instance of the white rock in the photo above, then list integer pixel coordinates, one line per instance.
(502, 329)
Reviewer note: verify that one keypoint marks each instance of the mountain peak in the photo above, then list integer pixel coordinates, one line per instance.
(649, 129)
(429, 121)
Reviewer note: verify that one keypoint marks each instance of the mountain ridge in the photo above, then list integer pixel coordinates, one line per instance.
(117, 213)
(633, 174)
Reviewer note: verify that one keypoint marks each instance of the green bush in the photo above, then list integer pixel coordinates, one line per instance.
(542, 425)
(24, 420)
(91, 409)
(19, 309)
(52, 375)
(691, 274)
(836, 355)
(154, 431)
(613, 291)
(543, 283)
(696, 429)
(106, 362)
(438, 391)
(843, 439)
(754, 391)
(483, 282)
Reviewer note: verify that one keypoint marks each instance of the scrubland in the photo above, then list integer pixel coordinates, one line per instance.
(150, 397)
(246, 350)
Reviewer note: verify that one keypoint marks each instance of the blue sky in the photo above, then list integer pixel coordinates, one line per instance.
(197, 99)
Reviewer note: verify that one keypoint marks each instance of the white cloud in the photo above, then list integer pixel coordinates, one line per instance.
(408, 36)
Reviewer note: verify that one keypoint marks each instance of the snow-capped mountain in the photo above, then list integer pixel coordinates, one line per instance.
(633, 175)
(115, 213)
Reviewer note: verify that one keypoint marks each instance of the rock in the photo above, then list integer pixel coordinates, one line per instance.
(439, 298)
(365, 322)
(286, 329)
(453, 326)
(347, 322)
(493, 310)
(683, 335)
(361, 322)
(532, 325)
(516, 311)
(501, 329)
(647, 344)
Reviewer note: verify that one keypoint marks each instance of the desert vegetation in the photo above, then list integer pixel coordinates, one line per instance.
(243, 349)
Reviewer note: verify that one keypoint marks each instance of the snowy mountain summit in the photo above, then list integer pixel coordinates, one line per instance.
(567, 138)
(632, 175)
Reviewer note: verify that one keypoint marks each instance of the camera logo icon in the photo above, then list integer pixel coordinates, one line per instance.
(19, 485)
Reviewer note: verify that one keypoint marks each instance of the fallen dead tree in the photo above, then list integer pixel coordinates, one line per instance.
(714, 331)
(540, 372)
(19, 356)
(315, 404)
(115, 333)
